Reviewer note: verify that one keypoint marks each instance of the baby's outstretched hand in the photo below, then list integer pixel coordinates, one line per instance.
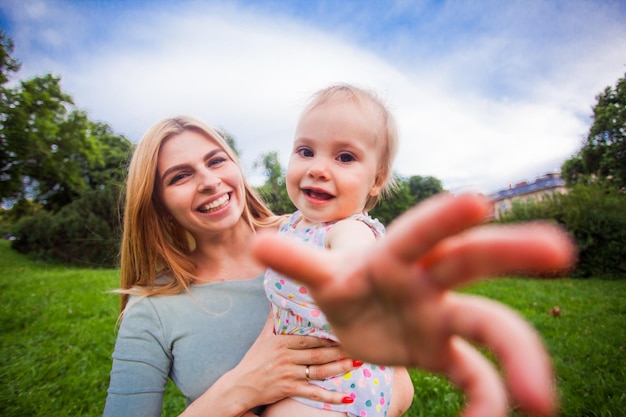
(391, 303)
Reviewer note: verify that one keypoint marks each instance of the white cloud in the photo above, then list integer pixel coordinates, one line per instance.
(497, 106)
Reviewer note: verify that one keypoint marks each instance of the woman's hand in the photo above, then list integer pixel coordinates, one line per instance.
(275, 368)
(391, 303)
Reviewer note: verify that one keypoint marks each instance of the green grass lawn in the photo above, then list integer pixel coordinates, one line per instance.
(57, 330)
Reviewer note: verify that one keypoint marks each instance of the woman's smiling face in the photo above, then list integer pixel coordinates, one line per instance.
(199, 185)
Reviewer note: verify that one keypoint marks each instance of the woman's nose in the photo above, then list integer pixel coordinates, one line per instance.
(208, 182)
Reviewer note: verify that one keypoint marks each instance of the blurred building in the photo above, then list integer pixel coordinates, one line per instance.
(527, 192)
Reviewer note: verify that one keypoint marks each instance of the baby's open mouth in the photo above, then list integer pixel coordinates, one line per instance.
(320, 195)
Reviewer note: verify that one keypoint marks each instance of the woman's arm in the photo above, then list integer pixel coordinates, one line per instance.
(137, 381)
(273, 369)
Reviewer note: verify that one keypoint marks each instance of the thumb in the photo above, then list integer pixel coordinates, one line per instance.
(293, 258)
(267, 331)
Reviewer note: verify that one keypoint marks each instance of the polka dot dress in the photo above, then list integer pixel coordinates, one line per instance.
(295, 312)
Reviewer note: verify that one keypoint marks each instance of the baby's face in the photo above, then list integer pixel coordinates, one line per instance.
(334, 162)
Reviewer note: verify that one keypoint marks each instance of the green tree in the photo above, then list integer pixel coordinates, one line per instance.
(50, 152)
(60, 172)
(45, 148)
(422, 188)
(603, 154)
(8, 64)
(593, 214)
(274, 191)
(409, 192)
(115, 153)
(391, 206)
(22, 208)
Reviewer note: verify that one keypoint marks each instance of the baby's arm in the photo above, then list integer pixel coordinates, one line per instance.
(349, 233)
(402, 394)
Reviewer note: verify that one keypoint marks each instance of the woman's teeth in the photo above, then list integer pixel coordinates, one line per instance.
(215, 205)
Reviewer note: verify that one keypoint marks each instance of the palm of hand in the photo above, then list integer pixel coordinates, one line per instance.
(376, 318)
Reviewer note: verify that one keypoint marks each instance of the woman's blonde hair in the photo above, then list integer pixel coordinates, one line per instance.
(154, 244)
(387, 130)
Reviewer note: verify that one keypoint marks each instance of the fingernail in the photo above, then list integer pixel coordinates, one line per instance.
(357, 363)
(347, 400)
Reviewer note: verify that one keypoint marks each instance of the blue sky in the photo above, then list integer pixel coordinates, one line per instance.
(486, 93)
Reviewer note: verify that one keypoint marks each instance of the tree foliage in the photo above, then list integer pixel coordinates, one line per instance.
(115, 153)
(46, 147)
(422, 188)
(274, 191)
(390, 206)
(85, 232)
(594, 216)
(409, 192)
(60, 173)
(50, 152)
(8, 64)
(603, 154)
(592, 211)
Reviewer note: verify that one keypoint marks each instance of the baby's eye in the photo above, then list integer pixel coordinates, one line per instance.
(305, 152)
(346, 157)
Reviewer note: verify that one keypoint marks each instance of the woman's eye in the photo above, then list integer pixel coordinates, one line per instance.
(216, 161)
(305, 152)
(176, 178)
(345, 157)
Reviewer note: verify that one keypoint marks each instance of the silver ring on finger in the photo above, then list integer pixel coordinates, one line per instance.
(307, 375)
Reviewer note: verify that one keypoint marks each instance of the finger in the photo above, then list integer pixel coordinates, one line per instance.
(495, 250)
(318, 356)
(268, 328)
(471, 372)
(309, 350)
(515, 344)
(417, 230)
(306, 342)
(293, 258)
(266, 332)
(327, 370)
(316, 393)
